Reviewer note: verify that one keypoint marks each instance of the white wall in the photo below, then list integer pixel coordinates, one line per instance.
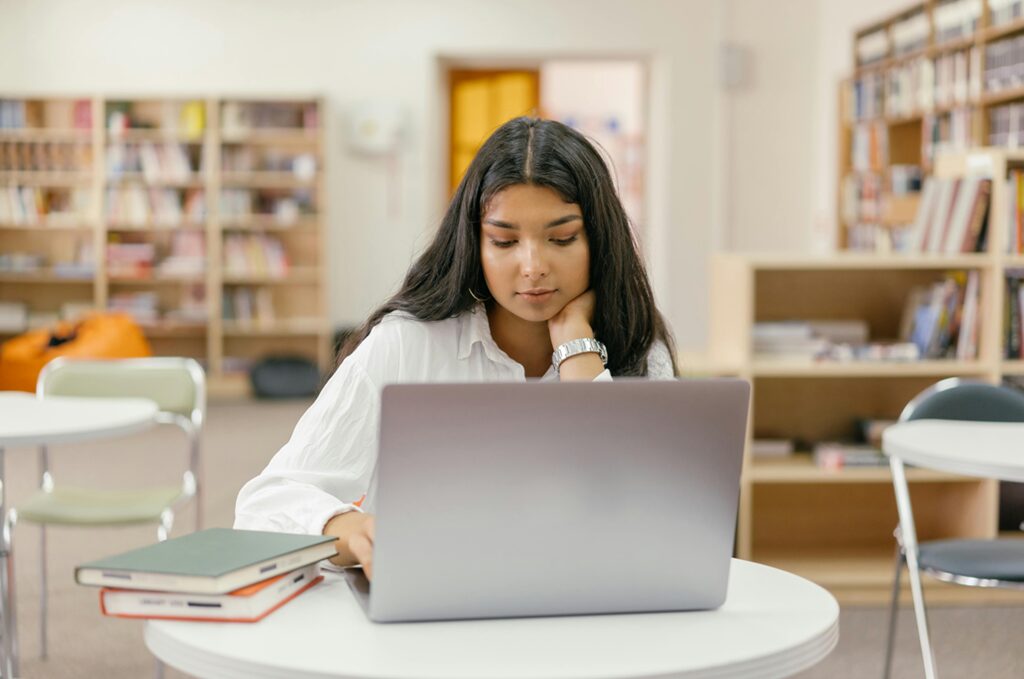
(767, 147)
(351, 50)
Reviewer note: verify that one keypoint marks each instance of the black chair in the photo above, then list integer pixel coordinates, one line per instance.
(974, 563)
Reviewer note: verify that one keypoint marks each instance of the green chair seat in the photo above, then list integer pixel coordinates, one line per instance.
(87, 506)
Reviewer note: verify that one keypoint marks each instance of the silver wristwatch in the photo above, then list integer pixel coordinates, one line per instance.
(583, 345)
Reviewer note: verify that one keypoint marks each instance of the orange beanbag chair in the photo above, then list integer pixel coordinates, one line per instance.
(102, 335)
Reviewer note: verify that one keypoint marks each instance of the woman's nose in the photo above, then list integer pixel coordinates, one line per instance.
(533, 264)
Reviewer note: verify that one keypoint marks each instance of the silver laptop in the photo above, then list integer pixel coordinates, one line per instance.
(536, 499)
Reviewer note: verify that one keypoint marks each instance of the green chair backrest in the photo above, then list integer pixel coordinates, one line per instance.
(177, 385)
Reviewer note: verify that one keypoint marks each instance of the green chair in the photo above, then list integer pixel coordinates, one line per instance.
(178, 386)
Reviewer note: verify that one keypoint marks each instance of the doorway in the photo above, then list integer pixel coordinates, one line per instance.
(604, 99)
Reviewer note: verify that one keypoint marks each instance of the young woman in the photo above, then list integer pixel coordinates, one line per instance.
(534, 273)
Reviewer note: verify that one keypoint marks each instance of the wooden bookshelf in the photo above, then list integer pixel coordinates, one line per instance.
(867, 222)
(205, 157)
(835, 526)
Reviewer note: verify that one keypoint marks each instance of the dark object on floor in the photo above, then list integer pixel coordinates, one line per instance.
(284, 377)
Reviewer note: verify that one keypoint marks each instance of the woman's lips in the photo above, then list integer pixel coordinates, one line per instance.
(537, 296)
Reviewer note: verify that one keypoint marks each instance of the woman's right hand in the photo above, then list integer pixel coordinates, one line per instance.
(360, 543)
(354, 532)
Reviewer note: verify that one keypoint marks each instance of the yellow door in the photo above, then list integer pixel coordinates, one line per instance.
(480, 102)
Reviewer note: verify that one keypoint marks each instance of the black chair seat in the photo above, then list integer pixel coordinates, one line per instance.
(982, 559)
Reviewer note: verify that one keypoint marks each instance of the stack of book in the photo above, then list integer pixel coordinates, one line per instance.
(810, 339)
(218, 574)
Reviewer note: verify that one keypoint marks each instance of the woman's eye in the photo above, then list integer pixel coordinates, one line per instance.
(564, 241)
(502, 243)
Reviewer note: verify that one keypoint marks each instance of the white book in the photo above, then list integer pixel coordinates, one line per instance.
(966, 344)
(961, 215)
(247, 604)
(925, 212)
(937, 226)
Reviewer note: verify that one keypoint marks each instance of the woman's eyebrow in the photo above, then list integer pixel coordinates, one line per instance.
(558, 222)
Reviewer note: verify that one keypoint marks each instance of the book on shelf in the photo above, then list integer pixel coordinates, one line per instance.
(872, 47)
(255, 255)
(772, 448)
(245, 305)
(910, 33)
(1015, 211)
(184, 118)
(143, 307)
(46, 156)
(871, 430)
(164, 162)
(13, 317)
(836, 455)
(187, 256)
(59, 114)
(870, 146)
(1004, 11)
(140, 206)
(238, 118)
(247, 604)
(1013, 315)
(238, 205)
(837, 341)
(956, 19)
(35, 206)
(191, 309)
(210, 561)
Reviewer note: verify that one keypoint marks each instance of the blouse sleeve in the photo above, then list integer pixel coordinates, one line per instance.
(326, 466)
(659, 362)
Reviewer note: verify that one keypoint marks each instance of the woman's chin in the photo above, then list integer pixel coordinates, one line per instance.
(531, 311)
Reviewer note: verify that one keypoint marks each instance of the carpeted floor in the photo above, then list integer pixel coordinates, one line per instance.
(238, 441)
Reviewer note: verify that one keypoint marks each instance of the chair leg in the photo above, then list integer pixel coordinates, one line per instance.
(42, 593)
(11, 602)
(922, 616)
(199, 507)
(894, 609)
(166, 523)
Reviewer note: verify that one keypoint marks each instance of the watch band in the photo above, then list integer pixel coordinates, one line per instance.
(583, 345)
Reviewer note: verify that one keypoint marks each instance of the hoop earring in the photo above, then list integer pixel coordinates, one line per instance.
(474, 295)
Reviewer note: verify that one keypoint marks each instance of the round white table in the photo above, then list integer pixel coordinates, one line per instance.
(26, 420)
(773, 624)
(992, 450)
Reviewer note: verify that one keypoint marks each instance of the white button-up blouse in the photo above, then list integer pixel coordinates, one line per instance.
(328, 463)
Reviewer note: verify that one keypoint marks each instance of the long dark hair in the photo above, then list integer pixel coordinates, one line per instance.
(549, 154)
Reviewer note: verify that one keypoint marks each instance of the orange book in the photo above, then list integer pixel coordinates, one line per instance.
(247, 604)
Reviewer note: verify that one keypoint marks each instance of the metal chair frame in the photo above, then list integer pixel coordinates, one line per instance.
(907, 546)
(190, 485)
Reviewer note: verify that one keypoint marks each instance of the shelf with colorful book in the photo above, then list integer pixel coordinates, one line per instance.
(156, 219)
(271, 202)
(936, 76)
(49, 155)
(128, 203)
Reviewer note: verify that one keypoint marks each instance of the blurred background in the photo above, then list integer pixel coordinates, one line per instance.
(248, 180)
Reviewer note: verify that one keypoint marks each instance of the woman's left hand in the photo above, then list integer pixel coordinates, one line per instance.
(574, 320)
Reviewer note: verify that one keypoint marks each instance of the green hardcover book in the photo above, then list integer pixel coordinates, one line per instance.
(211, 561)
